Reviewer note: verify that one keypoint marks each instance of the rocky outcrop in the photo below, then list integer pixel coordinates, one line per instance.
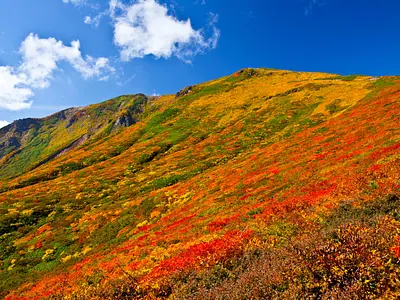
(12, 142)
(61, 132)
(9, 145)
(184, 92)
(19, 126)
(131, 113)
(125, 120)
(12, 135)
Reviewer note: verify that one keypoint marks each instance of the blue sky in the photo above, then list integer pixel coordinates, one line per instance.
(149, 46)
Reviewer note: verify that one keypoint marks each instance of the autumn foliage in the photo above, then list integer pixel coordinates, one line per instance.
(263, 184)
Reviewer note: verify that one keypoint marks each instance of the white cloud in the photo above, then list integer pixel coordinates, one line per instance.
(90, 20)
(40, 58)
(81, 3)
(146, 28)
(95, 21)
(13, 95)
(126, 81)
(3, 123)
(75, 2)
(311, 5)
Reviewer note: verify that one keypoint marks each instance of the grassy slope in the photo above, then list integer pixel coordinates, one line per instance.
(58, 131)
(239, 162)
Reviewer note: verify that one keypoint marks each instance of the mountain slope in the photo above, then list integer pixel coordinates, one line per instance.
(174, 204)
(29, 143)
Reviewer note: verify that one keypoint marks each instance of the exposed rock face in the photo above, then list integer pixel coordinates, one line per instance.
(12, 142)
(68, 148)
(13, 135)
(71, 121)
(9, 145)
(75, 144)
(184, 92)
(19, 126)
(71, 115)
(59, 133)
(244, 72)
(16, 134)
(125, 120)
(131, 114)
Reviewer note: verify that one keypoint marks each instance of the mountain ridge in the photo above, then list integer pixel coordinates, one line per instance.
(19, 134)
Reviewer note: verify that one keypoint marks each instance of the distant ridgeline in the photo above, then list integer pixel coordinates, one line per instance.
(28, 143)
(265, 184)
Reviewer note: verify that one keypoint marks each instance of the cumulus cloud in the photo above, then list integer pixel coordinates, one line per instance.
(146, 28)
(3, 123)
(40, 58)
(14, 94)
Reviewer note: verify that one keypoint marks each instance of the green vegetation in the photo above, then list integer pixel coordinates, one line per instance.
(252, 185)
(340, 77)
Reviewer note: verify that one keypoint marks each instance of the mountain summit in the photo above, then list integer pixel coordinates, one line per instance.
(261, 184)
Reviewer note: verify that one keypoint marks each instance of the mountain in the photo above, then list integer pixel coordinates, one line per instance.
(28, 143)
(261, 184)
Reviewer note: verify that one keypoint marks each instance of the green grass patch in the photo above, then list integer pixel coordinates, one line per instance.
(341, 77)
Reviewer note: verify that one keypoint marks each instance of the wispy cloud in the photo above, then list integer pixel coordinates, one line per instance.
(2, 52)
(312, 4)
(95, 21)
(126, 81)
(82, 3)
(75, 2)
(248, 14)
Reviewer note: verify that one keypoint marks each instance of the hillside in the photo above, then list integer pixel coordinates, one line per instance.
(263, 184)
(27, 144)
